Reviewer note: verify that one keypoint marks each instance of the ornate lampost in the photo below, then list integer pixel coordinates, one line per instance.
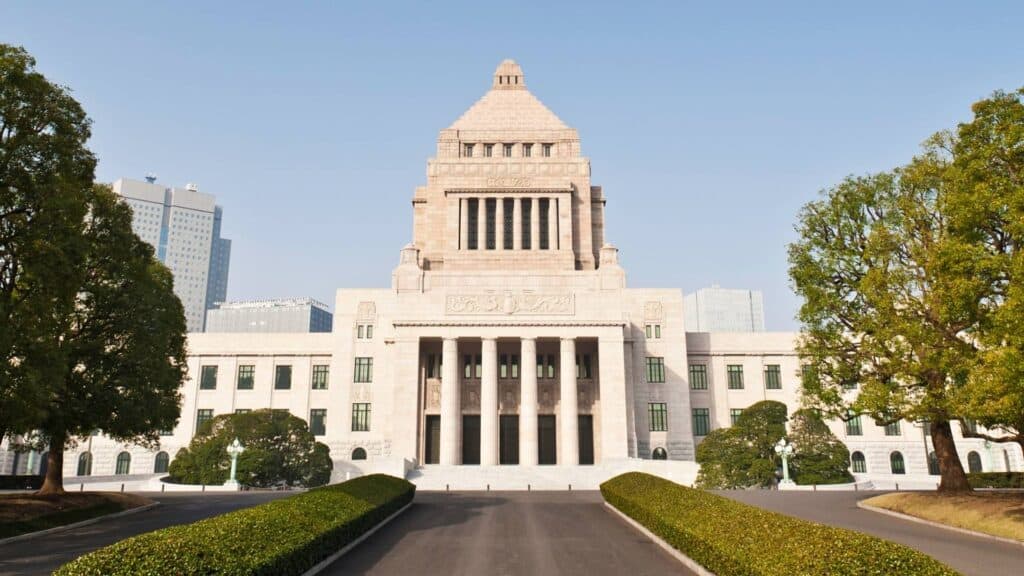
(235, 449)
(785, 450)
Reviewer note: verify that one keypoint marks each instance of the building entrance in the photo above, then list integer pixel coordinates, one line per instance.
(509, 440)
(432, 437)
(471, 439)
(586, 436)
(546, 449)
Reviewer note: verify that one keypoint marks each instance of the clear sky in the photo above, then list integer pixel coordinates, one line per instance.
(708, 124)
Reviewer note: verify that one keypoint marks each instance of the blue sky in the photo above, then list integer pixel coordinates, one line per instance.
(708, 124)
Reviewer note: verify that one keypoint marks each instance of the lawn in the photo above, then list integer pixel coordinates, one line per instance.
(24, 513)
(998, 514)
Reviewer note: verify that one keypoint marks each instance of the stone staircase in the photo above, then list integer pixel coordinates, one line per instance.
(441, 478)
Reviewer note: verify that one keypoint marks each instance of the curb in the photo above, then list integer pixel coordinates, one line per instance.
(900, 515)
(333, 557)
(682, 558)
(39, 533)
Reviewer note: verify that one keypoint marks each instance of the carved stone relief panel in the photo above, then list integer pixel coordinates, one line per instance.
(361, 393)
(508, 396)
(546, 396)
(366, 311)
(470, 396)
(654, 311)
(509, 304)
(433, 393)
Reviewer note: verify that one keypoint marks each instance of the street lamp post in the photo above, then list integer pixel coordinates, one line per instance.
(785, 450)
(235, 449)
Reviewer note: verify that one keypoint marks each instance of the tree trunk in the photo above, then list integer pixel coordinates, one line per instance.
(950, 468)
(54, 481)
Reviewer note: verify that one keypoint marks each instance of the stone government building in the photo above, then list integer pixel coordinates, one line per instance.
(508, 338)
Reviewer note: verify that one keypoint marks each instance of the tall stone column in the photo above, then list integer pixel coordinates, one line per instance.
(463, 224)
(481, 224)
(528, 402)
(553, 223)
(534, 224)
(451, 403)
(570, 442)
(500, 223)
(517, 223)
(489, 404)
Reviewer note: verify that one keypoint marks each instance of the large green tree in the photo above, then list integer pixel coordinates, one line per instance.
(279, 449)
(46, 173)
(743, 455)
(890, 300)
(818, 456)
(124, 342)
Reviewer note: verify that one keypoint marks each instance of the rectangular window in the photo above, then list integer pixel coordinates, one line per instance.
(320, 375)
(203, 415)
(540, 366)
(648, 332)
(472, 237)
(587, 375)
(527, 150)
(508, 206)
(551, 366)
(503, 366)
(892, 429)
(507, 150)
(283, 377)
(363, 370)
(488, 150)
(657, 331)
(853, 427)
(655, 369)
(491, 206)
(773, 377)
(208, 378)
(698, 377)
(318, 421)
(246, 376)
(479, 367)
(467, 150)
(360, 332)
(701, 422)
(658, 416)
(369, 331)
(361, 417)
(546, 150)
(467, 366)
(527, 208)
(515, 366)
(734, 415)
(543, 205)
(735, 372)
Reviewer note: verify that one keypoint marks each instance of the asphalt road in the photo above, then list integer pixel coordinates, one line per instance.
(967, 554)
(45, 554)
(504, 533)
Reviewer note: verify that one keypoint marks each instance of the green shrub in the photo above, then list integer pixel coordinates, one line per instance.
(286, 536)
(996, 479)
(734, 539)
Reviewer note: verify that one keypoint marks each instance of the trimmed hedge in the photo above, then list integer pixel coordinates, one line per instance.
(996, 479)
(287, 536)
(734, 539)
(21, 482)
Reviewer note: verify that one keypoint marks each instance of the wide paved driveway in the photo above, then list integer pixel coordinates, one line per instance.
(44, 554)
(969, 555)
(501, 533)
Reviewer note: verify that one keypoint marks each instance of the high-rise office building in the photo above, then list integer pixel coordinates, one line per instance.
(277, 315)
(724, 310)
(183, 226)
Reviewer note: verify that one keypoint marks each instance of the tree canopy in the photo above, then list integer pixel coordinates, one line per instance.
(279, 450)
(818, 456)
(743, 455)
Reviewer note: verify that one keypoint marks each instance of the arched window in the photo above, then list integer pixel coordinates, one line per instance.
(124, 463)
(896, 463)
(85, 464)
(659, 454)
(860, 466)
(359, 454)
(973, 462)
(933, 463)
(160, 465)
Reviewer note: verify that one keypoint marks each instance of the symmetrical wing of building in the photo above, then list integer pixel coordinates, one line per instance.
(508, 336)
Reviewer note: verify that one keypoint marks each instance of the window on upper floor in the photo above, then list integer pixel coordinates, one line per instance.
(320, 376)
(652, 331)
(283, 377)
(735, 373)
(892, 429)
(655, 369)
(488, 150)
(853, 426)
(318, 421)
(698, 377)
(773, 377)
(434, 365)
(546, 150)
(363, 370)
(701, 422)
(246, 376)
(734, 415)
(467, 150)
(361, 417)
(507, 150)
(527, 150)
(658, 415)
(583, 371)
(208, 378)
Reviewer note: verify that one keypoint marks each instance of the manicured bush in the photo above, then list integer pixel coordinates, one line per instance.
(734, 539)
(286, 536)
(996, 480)
(21, 482)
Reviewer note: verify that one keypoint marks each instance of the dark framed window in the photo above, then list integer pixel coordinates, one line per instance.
(318, 421)
(892, 429)
(546, 150)
(659, 453)
(246, 376)
(472, 219)
(160, 464)
(551, 366)
(124, 464)
(773, 377)
(527, 150)
(488, 150)
(363, 370)
(515, 366)
(369, 331)
(859, 464)
(491, 208)
(526, 205)
(974, 462)
(508, 207)
(853, 426)
(360, 332)
(735, 373)
(896, 465)
(507, 149)
(321, 373)
(478, 370)
(467, 150)
(359, 454)
(658, 416)
(543, 205)
(655, 369)
(734, 415)
(933, 464)
(467, 366)
(203, 415)
(433, 365)
(503, 366)
(361, 417)
(583, 371)
(698, 377)
(657, 331)
(84, 464)
(701, 422)
(283, 377)
(540, 366)
(208, 378)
